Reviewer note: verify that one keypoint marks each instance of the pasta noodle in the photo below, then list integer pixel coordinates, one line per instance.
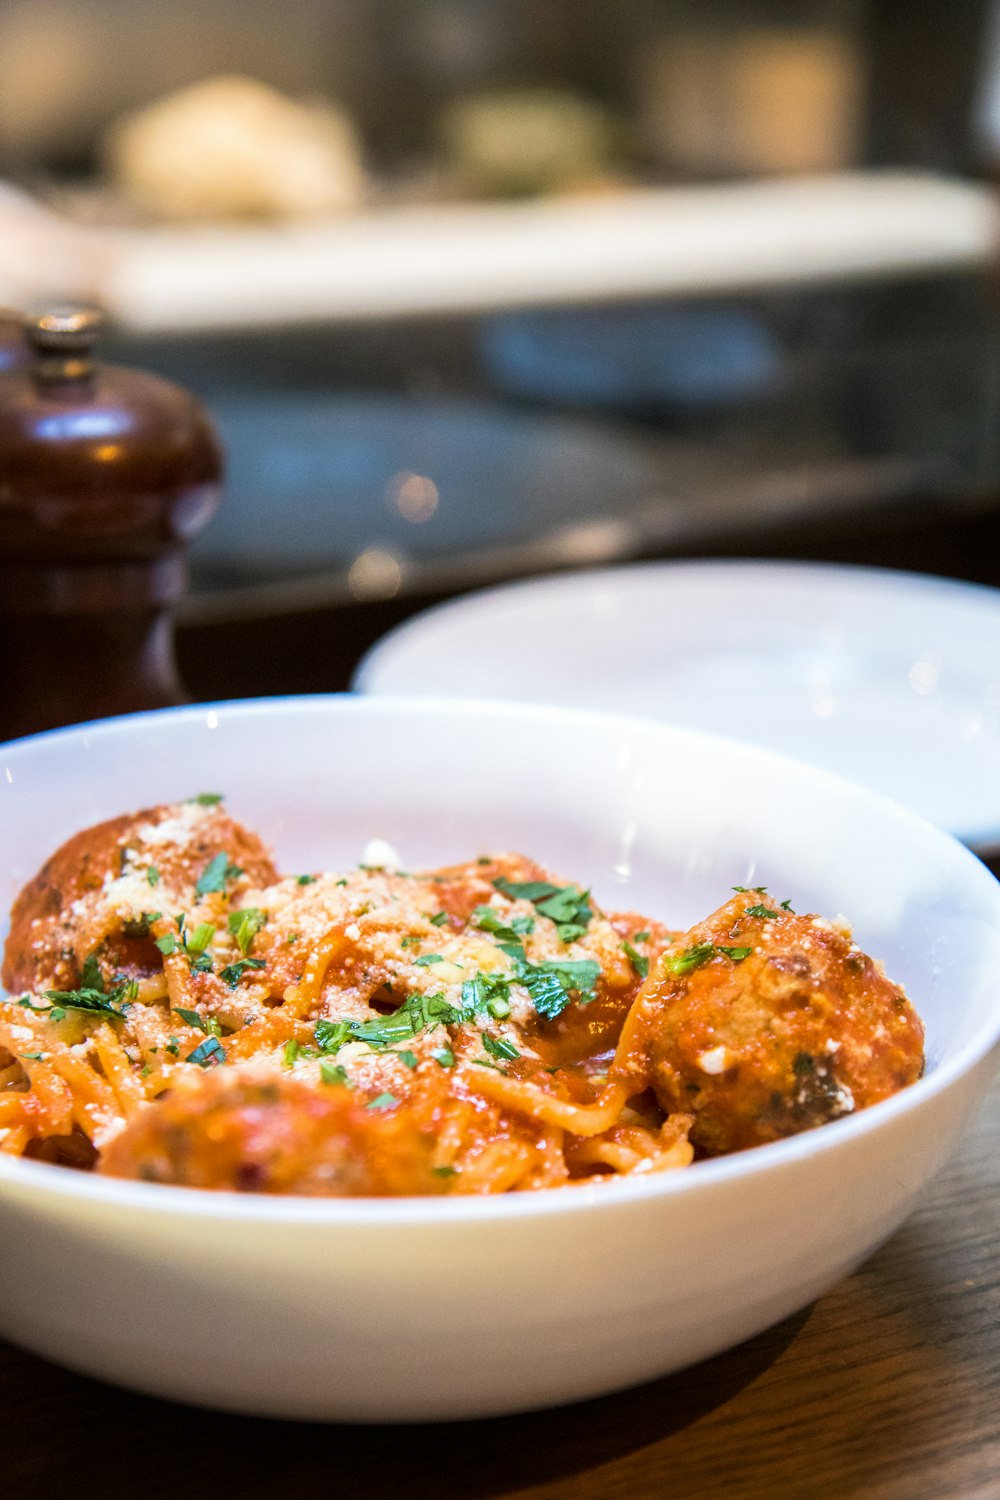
(180, 1013)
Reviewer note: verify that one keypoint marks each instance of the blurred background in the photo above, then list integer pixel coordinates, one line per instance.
(480, 288)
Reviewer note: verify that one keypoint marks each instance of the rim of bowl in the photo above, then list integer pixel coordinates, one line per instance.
(359, 1212)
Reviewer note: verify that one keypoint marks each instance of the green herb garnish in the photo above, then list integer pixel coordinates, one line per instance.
(198, 941)
(382, 1101)
(138, 927)
(500, 1047)
(700, 953)
(215, 874)
(639, 961)
(208, 1024)
(96, 1001)
(565, 905)
(245, 925)
(209, 1054)
(334, 1073)
(206, 799)
(233, 973)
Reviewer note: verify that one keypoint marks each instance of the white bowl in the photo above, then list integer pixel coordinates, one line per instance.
(415, 1309)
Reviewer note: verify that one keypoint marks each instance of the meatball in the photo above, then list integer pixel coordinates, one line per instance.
(92, 892)
(259, 1131)
(762, 1023)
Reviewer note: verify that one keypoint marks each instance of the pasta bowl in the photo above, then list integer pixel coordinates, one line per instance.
(438, 1308)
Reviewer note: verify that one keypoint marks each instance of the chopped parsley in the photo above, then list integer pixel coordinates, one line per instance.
(94, 1001)
(245, 925)
(553, 984)
(152, 875)
(444, 1171)
(639, 961)
(138, 927)
(207, 799)
(429, 958)
(486, 992)
(500, 1047)
(382, 1101)
(215, 874)
(312, 879)
(565, 905)
(439, 919)
(173, 1046)
(291, 1052)
(407, 1057)
(168, 944)
(444, 1057)
(487, 920)
(198, 941)
(233, 973)
(32, 1056)
(210, 1025)
(642, 937)
(751, 890)
(334, 1073)
(209, 1054)
(759, 911)
(700, 953)
(91, 977)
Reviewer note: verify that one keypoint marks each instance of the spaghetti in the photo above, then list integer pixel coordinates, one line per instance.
(181, 1013)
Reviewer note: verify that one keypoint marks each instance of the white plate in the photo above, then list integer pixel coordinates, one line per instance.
(888, 678)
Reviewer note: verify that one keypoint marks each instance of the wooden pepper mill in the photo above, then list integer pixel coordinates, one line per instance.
(105, 475)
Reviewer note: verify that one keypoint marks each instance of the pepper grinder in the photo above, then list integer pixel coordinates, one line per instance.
(106, 475)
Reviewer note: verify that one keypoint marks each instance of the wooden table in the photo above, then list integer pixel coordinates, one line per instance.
(888, 1389)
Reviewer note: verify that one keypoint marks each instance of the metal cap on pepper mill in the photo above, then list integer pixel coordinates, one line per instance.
(106, 475)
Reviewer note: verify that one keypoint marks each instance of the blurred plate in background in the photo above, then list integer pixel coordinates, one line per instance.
(887, 678)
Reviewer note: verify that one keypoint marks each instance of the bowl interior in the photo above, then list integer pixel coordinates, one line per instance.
(656, 819)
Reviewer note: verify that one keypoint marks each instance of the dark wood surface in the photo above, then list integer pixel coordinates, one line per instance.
(888, 1388)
